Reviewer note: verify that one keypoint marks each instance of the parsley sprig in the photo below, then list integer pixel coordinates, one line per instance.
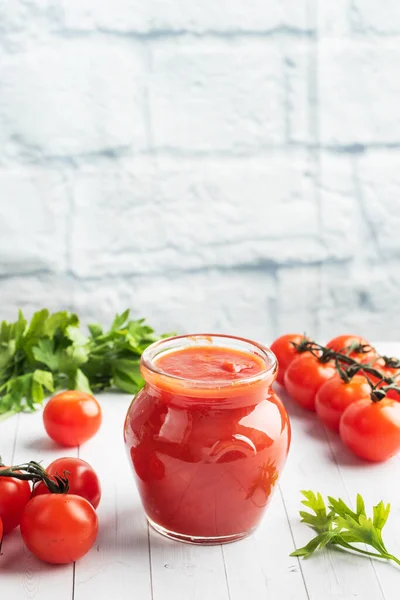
(338, 525)
(52, 353)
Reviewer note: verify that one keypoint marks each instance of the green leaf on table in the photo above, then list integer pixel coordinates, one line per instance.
(126, 375)
(81, 382)
(381, 514)
(44, 378)
(343, 527)
(360, 505)
(340, 508)
(120, 320)
(52, 352)
(321, 520)
(320, 541)
(45, 353)
(95, 330)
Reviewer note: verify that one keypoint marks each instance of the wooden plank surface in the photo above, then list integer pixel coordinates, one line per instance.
(128, 560)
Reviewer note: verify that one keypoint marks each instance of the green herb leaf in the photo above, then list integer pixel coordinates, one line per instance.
(44, 378)
(320, 541)
(321, 520)
(126, 375)
(52, 352)
(381, 514)
(343, 527)
(81, 382)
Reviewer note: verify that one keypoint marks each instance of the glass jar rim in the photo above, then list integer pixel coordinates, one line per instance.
(174, 343)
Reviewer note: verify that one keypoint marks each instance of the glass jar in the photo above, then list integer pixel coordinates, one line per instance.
(206, 453)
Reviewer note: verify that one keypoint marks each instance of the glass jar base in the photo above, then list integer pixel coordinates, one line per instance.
(201, 541)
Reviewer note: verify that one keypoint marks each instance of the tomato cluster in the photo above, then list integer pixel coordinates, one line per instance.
(353, 390)
(57, 515)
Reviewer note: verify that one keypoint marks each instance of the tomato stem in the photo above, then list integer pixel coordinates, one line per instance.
(347, 366)
(33, 471)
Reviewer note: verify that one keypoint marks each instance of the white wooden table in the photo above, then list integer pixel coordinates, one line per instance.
(129, 561)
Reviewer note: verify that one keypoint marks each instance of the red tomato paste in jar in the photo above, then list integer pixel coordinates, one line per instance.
(207, 436)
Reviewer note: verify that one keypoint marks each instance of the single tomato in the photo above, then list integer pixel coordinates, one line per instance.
(14, 495)
(372, 429)
(59, 528)
(354, 346)
(335, 395)
(82, 479)
(304, 377)
(285, 352)
(71, 418)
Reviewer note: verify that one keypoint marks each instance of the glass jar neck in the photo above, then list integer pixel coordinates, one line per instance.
(235, 390)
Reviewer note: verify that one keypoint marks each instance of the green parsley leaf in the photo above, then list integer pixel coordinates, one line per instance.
(343, 527)
(51, 352)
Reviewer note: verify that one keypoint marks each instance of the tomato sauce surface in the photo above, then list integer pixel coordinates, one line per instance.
(208, 363)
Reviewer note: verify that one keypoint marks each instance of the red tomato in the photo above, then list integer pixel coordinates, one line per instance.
(334, 396)
(285, 352)
(341, 343)
(1, 532)
(393, 394)
(71, 418)
(305, 376)
(83, 481)
(372, 429)
(14, 495)
(59, 528)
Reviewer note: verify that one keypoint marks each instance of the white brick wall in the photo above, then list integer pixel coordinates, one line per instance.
(229, 166)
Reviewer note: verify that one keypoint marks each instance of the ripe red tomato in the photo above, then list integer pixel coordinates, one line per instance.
(1, 532)
(372, 429)
(14, 495)
(285, 352)
(59, 528)
(304, 377)
(71, 418)
(334, 396)
(341, 343)
(83, 480)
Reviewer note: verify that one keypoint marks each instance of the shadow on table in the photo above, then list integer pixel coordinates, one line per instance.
(42, 444)
(16, 558)
(328, 442)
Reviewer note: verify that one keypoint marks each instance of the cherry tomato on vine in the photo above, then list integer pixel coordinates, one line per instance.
(372, 429)
(14, 495)
(335, 395)
(82, 479)
(71, 418)
(285, 352)
(304, 377)
(59, 528)
(341, 343)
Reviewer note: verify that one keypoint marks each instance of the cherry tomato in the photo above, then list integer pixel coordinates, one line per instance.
(304, 377)
(341, 343)
(71, 418)
(285, 352)
(14, 495)
(372, 429)
(334, 396)
(59, 528)
(83, 481)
